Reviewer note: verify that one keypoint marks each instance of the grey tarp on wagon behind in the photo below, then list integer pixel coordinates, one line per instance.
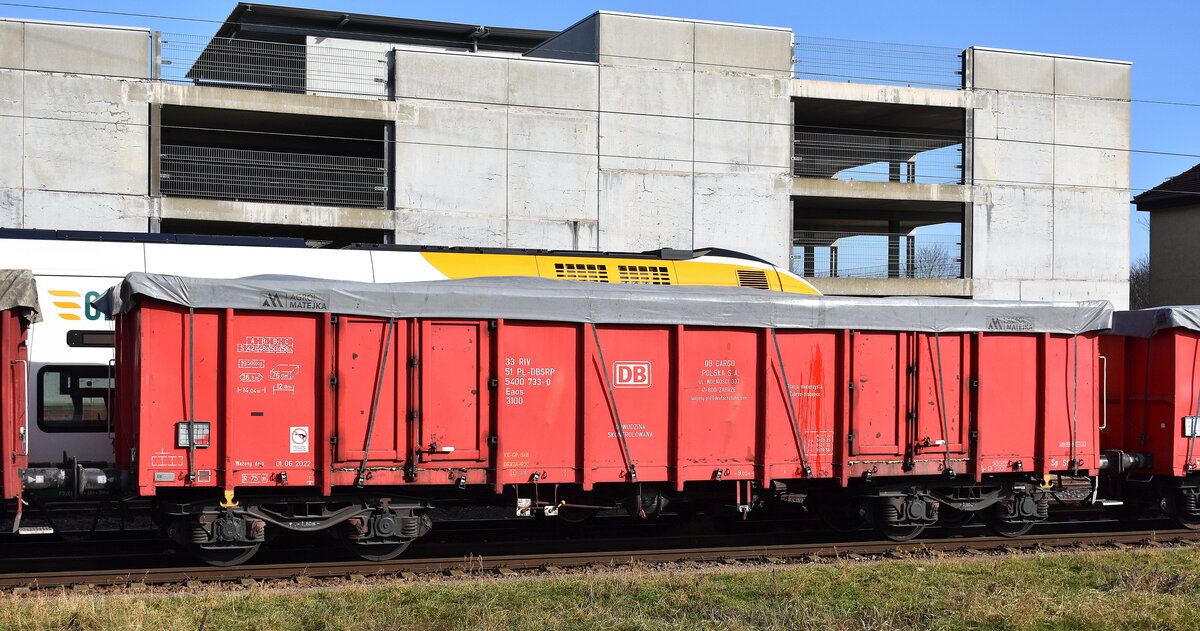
(526, 298)
(1147, 322)
(18, 291)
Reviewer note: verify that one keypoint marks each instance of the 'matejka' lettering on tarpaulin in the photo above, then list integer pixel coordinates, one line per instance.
(295, 300)
(1010, 323)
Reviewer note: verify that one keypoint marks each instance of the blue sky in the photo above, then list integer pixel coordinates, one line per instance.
(1158, 36)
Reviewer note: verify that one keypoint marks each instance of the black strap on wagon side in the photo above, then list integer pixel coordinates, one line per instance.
(361, 478)
(791, 407)
(612, 402)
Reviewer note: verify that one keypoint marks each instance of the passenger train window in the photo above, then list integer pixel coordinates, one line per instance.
(73, 398)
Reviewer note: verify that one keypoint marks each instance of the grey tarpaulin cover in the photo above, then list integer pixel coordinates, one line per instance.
(1147, 322)
(526, 298)
(17, 291)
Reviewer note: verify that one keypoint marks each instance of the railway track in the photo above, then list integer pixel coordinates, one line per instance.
(552, 562)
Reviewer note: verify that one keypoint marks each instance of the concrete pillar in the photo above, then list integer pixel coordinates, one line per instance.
(893, 249)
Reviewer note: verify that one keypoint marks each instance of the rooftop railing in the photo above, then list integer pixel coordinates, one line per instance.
(856, 61)
(275, 66)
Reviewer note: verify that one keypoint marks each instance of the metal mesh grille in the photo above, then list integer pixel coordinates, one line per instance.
(826, 58)
(274, 66)
(644, 274)
(827, 254)
(755, 278)
(582, 271)
(874, 156)
(272, 176)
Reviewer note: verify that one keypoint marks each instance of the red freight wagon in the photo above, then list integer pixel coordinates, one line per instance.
(18, 309)
(1153, 394)
(370, 400)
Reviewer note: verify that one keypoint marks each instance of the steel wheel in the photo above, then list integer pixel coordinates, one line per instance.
(225, 556)
(1003, 527)
(370, 551)
(900, 533)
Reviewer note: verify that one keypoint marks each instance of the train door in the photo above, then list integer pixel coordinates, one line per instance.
(936, 424)
(879, 396)
(360, 357)
(455, 402)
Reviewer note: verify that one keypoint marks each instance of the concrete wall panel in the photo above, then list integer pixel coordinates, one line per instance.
(12, 44)
(635, 136)
(552, 185)
(537, 129)
(553, 84)
(1078, 166)
(726, 96)
(635, 40)
(1091, 122)
(1091, 235)
(1042, 290)
(87, 50)
(53, 210)
(86, 99)
(751, 201)
(1012, 231)
(1018, 72)
(664, 90)
(86, 157)
(1019, 117)
(552, 234)
(451, 180)
(451, 77)
(11, 126)
(461, 124)
(1006, 163)
(743, 143)
(11, 208)
(1082, 77)
(643, 207)
(745, 49)
(441, 228)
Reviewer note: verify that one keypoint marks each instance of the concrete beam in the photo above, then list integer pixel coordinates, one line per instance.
(286, 214)
(232, 99)
(953, 287)
(813, 187)
(862, 92)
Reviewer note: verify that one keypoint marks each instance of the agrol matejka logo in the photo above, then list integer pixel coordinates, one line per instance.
(295, 300)
(73, 306)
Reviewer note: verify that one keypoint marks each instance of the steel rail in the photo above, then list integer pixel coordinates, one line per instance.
(770, 553)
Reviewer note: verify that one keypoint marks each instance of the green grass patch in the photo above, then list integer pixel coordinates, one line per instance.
(1117, 590)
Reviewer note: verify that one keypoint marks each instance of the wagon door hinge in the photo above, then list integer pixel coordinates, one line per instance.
(974, 434)
(414, 415)
(333, 381)
(414, 361)
(333, 440)
(493, 383)
(333, 319)
(975, 384)
(851, 385)
(493, 325)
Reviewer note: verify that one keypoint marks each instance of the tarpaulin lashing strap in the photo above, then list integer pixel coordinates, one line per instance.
(612, 403)
(361, 478)
(791, 407)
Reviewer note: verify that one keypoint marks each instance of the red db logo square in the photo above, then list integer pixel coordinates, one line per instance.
(631, 374)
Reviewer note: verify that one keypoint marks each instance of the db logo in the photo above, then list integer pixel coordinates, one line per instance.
(631, 374)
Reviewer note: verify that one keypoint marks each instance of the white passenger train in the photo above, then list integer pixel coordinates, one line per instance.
(71, 350)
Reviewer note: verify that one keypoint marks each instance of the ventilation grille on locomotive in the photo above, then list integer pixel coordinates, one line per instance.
(597, 273)
(755, 278)
(644, 274)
